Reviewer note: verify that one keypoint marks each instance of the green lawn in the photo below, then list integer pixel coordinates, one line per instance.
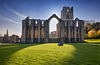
(50, 54)
(92, 40)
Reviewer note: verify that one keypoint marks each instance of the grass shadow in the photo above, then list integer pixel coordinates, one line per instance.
(85, 54)
(7, 49)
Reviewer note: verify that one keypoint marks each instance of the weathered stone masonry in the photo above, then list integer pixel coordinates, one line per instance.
(70, 30)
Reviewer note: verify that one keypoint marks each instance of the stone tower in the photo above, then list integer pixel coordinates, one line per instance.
(7, 32)
(67, 13)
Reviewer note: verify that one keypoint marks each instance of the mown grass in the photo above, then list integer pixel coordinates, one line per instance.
(92, 40)
(50, 54)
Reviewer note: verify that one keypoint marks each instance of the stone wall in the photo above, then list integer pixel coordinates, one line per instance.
(68, 30)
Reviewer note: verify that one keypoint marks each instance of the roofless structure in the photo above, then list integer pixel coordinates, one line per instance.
(70, 30)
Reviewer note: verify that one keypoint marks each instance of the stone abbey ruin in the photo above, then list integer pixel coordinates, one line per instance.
(69, 30)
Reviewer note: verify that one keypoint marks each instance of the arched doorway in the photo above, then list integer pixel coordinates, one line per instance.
(54, 29)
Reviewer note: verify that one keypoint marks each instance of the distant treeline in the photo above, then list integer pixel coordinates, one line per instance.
(92, 30)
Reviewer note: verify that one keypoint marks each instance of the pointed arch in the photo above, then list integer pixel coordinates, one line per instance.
(54, 16)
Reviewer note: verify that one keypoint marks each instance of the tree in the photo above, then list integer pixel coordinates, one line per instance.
(92, 33)
(85, 35)
(87, 27)
(96, 26)
(98, 33)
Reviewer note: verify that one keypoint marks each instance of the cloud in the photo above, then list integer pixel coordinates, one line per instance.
(15, 12)
(10, 20)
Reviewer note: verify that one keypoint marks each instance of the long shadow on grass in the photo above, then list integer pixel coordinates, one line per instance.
(7, 49)
(85, 54)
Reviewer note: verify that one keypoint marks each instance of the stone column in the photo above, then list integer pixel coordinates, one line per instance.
(65, 33)
(40, 30)
(27, 28)
(61, 33)
(23, 39)
(47, 31)
(44, 30)
(74, 31)
(32, 31)
(68, 31)
(39, 23)
(82, 31)
(71, 30)
(42, 33)
(36, 33)
(79, 32)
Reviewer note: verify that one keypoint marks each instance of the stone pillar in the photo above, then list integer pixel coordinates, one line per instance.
(79, 32)
(23, 39)
(46, 30)
(27, 30)
(32, 31)
(43, 32)
(61, 32)
(65, 33)
(44, 22)
(76, 34)
(74, 28)
(82, 31)
(71, 30)
(25, 25)
(68, 31)
(72, 33)
(39, 23)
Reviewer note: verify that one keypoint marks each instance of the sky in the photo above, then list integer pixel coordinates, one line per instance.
(12, 12)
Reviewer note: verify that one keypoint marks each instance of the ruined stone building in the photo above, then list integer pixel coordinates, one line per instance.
(68, 30)
(14, 39)
(9, 39)
(6, 37)
(53, 34)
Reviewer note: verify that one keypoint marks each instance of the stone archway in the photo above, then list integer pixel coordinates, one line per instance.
(54, 16)
(53, 40)
(60, 24)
